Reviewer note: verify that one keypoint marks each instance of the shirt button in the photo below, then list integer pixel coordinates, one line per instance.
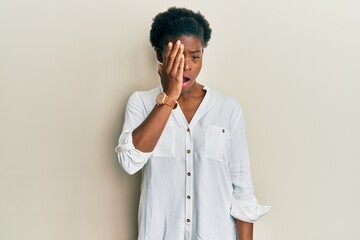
(188, 197)
(223, 130)
(188, 129)
(189, 174)
(188, 151)
(188, 220)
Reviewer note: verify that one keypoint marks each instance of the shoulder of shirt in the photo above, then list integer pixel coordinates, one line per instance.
(221, 98)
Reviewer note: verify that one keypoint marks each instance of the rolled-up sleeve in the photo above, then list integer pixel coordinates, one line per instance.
(131, 159)
(244, 205)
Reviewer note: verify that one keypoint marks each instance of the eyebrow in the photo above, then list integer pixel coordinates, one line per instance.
(195, 51)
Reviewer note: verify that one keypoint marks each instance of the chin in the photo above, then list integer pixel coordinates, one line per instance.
(187, 86)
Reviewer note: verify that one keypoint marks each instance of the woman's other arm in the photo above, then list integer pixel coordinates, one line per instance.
(245, 230)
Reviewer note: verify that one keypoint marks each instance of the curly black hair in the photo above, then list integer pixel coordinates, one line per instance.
(176, 22)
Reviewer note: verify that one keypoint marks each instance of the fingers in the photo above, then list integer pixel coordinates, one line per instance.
(167, 53)
(172, 59)
(181, 67)
(177, 61)
(171, 71)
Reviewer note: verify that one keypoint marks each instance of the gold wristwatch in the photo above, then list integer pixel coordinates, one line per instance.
(162, 99)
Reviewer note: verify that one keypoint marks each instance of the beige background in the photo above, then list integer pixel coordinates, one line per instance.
(68, 67)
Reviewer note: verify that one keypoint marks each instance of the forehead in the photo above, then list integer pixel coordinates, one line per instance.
(191, 43)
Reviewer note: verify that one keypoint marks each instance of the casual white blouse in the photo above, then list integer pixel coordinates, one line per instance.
(197, 179)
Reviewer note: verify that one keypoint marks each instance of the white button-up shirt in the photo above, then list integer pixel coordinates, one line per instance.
(197, 179)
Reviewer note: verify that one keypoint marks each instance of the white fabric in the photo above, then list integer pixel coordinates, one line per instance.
(197, 179)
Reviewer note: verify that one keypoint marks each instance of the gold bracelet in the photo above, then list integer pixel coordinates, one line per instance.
(171, 106)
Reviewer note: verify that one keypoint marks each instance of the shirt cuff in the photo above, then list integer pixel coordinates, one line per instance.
(126, 146)
(248, 210)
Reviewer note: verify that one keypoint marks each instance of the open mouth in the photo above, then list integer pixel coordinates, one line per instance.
(186, 79)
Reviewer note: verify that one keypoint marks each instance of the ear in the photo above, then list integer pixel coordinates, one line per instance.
(159, 55)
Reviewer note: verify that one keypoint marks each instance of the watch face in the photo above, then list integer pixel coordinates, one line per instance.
(160, 98)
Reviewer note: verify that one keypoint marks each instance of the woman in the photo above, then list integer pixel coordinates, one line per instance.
(190, 143)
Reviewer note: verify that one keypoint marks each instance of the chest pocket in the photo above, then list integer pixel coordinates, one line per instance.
(165, 147)
(216, 139)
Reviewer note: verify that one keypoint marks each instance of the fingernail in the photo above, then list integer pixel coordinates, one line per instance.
(178, 42)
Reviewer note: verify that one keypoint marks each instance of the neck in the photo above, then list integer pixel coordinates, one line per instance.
(195, 91)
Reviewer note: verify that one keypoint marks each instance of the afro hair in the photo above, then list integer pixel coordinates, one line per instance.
(176, 22)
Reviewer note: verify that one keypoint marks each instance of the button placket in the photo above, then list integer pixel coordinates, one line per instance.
(189, 182)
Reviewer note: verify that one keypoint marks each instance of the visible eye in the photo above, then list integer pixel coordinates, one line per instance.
(195, 57)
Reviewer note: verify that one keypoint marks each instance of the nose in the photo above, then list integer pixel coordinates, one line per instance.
(187, 66)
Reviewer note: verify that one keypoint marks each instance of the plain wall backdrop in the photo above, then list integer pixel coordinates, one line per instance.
(67, 69)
